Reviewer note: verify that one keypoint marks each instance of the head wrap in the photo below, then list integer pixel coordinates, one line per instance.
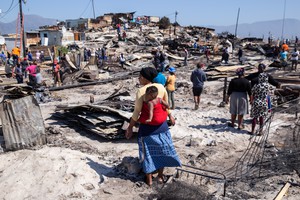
(240, 71)
(261, 67)
(149, 73)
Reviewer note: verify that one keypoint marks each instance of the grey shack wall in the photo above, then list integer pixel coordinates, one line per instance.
(22, 123)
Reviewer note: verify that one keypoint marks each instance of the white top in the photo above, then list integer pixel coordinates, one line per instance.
(295, 57)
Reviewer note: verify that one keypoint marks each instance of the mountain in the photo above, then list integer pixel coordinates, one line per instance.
(257, 29)
(262, 29)
(31, 22)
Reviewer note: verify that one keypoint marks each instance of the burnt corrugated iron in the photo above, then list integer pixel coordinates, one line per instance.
(102, 120)
(22, 123)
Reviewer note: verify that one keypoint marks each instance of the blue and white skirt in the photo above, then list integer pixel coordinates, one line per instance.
(157, 151)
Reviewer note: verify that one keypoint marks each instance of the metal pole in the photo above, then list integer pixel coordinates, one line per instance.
(22, 29)
(93, 9)
(176, 13)
(237, 22)
(283, 20)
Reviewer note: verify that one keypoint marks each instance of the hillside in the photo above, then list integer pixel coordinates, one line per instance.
(32, 22)
(262, 29)
(257, 29)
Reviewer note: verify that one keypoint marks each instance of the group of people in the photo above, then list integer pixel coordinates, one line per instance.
(256, 87)
(284, 56)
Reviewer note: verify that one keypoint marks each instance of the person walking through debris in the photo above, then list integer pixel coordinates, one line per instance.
(225, 56)
(207, 54)
(16, 51)
(37, 56)
(156, 149)
(240, 55)
(186, 54)
(32, 73)
(160, 78)
(122, 60)
(259, 108)
(2, 58)
(162, 61)
(29, 56)
(198, 77)
(42, 56)
(285, 47)
(283, 58)
(56, 73)
(253, 78)
(85, 55)
(156, 59)
(19, 74)
(124, 36)
(154, 108)
(237, 93)
(294, 58)
(170, 86)
(24, 65)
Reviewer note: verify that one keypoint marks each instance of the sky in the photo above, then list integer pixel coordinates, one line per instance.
(190, 12)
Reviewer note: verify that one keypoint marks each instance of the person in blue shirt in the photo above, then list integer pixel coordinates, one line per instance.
(160, 78)
(29, 55)
(2, 57)
(198, 77)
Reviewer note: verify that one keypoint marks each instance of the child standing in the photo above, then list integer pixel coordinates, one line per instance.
(154, 109)
(170, 86)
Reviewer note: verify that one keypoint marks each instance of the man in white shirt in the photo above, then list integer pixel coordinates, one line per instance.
(294, 59)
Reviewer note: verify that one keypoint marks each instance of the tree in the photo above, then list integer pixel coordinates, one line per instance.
(164, 23)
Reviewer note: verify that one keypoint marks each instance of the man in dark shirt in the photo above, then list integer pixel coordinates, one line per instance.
(198, 77)
(254, 77)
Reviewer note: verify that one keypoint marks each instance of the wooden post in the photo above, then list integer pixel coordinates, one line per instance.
(225, 90)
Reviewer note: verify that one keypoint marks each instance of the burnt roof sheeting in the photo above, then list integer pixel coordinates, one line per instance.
(22, 123)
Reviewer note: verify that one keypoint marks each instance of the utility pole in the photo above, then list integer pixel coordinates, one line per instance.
(235, 33)
(283, 20)
(22, 28)
(237, 22)
(93, 9)
(176, 13)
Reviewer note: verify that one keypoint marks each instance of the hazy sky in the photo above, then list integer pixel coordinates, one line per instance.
(190, 12)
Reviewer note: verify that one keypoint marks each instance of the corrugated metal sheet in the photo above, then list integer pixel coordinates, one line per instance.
(22, 123)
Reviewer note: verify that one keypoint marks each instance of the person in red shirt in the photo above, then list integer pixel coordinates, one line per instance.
(32, 73)
(56, 73)
(154, 109)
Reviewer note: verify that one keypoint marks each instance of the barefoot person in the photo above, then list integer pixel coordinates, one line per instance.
(156, 149)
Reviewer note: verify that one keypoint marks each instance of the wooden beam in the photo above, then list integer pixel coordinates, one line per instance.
(283, 191)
